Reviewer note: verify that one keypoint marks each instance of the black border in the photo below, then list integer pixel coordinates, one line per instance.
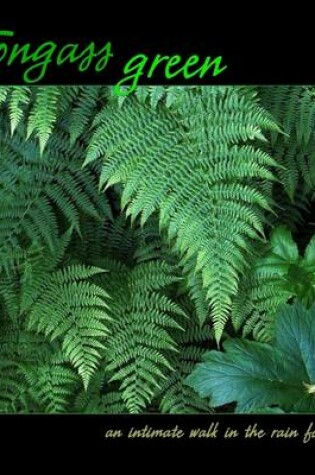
(251, 56)
(277, 59)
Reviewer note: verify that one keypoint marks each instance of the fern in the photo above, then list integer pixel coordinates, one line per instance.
(69, 308)
(12, 390)
(140, 338)
(99, 399)
(175, 396)
(3, 94)
(18, 348)
(210, 220)
(43, 114)
(51, 385)
(20, 97)
(294, 108)
(116, 277)
(35, 191)
(280, 275)
(83, 112)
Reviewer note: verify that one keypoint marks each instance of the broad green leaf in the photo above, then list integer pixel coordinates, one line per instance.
(294, 274)
(309, 256)
(283, 245)
(257, 375)
(295, 336)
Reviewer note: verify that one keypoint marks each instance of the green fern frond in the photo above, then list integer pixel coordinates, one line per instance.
(4, 90)
(12, 390)
(83, 111)
(51, 385)
(34, 190)
(141, 318)
(72, 310)
(18, 348)
(294, 109)
(170, 96)
(19, 98)
(260, 297)
(99, 398)
(175, 397)
(43, 115)
(196, 170)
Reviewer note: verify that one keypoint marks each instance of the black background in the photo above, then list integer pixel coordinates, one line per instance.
(82, 437)
(257, 51)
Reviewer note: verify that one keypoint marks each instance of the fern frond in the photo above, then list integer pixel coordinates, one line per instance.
(51, 385)
(34, 190)
(12, 388)
(19, 98)
(83, 111)
(99, 398)
(195, 169)
(260, 297)
(294, 109)
(72, 310)
(141, 318)
(43, 115)
(4, 90)
(175, 397)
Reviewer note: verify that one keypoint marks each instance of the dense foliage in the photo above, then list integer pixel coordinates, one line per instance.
(141, 235)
